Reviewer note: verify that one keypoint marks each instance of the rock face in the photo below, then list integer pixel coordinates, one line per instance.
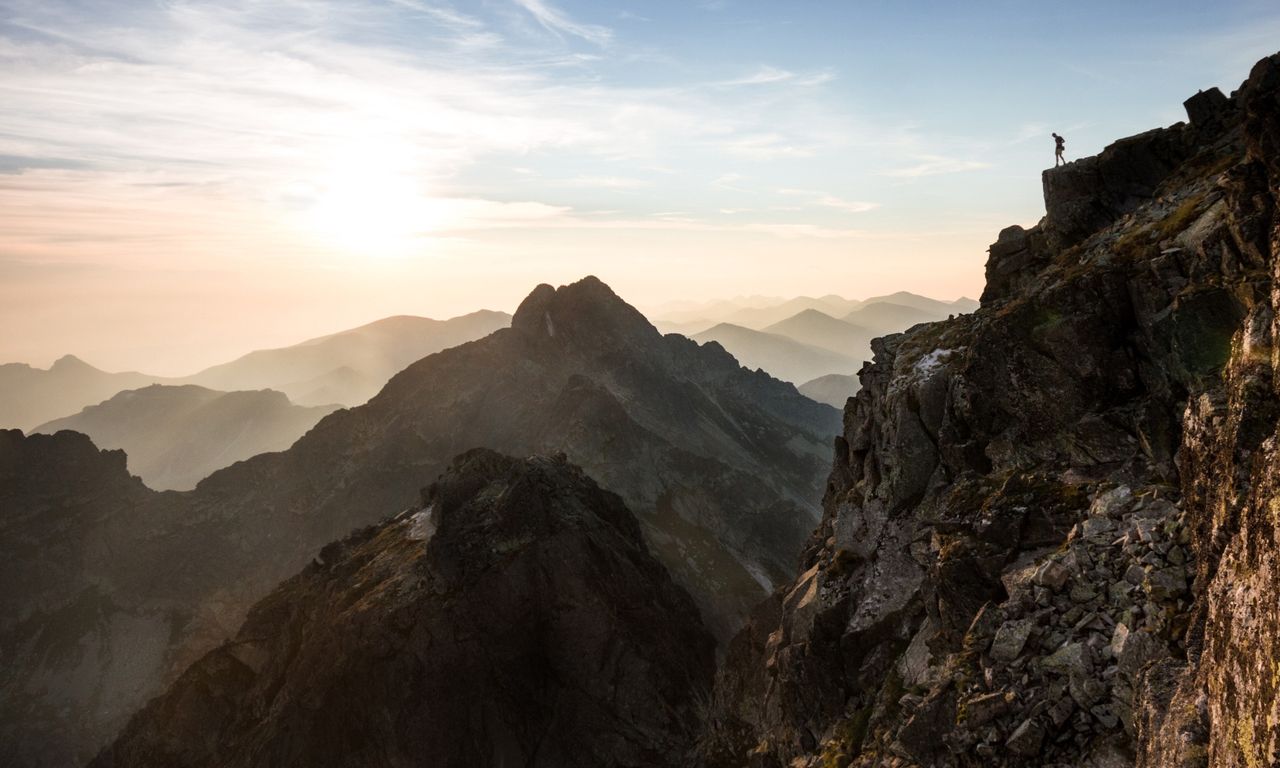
(1050, 532)
(516, 617)
(723, 467)
(76, 656)
(175, 436)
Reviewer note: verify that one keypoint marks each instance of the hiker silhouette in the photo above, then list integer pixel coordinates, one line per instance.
(1059, 144)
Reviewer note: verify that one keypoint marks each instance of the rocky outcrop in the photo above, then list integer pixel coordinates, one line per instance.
(1049, 532)
(76, 657)
(515, 617)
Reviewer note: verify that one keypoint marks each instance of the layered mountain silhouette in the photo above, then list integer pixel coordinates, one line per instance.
(31, 396)
(808, 338)
(887, 317)
(833, 389)
(175, 436)
(515, 617)
(818, 329)
(723, 466)
(344, 368)
(348, 368)
(778, 355)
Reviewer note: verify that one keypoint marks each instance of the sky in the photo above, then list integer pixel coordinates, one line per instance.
(181, 182)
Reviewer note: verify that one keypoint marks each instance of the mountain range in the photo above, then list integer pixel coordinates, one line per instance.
(805, 339)
(722, 466)
(175, 436)
(345, 368)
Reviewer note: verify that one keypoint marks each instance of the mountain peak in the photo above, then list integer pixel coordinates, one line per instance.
(70, 363)
(582, 310)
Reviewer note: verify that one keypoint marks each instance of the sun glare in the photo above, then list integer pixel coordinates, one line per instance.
(366, 204)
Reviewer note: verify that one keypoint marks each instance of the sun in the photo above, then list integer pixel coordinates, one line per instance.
(367, 203)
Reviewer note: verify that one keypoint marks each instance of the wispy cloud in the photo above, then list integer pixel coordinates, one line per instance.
(769, 75)
(602, 182)
(558, 21)
(934, 165)
(851, 206)
(767, 146)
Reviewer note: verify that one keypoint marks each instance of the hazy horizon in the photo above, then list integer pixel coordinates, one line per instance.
(183, 183)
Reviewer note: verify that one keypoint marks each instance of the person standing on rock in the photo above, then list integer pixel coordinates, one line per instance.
(1059, 145)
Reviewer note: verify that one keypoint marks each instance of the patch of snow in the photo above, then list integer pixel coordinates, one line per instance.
(422, 524)
(932, 361)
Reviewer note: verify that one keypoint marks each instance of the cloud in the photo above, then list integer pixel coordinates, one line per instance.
(769, 75)
(555, 20)
(764, 75)
(14, 164)
(852, 206)
(767, 146)
(934, 165)
(602, 182)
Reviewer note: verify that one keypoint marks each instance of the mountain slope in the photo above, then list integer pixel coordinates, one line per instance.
(1050, 531)
(345, 368)
(786, 358)
(351, 366)
(31, 396)
(833, 389)
(819, 329)
(514, 618)
(721, 465)
(887, 317)
(79, 654)
(759, 317)
(176, 436)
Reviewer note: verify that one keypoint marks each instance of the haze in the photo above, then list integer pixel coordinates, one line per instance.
(183, 182)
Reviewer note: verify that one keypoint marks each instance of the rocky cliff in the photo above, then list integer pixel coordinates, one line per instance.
(76, 655)
(515, 617)
(1050, 534)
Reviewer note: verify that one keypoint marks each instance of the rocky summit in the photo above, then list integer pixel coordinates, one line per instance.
(1049, 538)
(515, 617)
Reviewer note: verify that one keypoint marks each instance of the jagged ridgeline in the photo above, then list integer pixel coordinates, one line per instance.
(116, 589)
(1050, 535)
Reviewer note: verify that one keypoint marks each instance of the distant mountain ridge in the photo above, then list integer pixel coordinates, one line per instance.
(345, 368)
(779, 355)
(808, 338)
(176, 436)
(31, 396)
(348, 367)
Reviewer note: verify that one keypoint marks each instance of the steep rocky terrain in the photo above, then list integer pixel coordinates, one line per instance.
(175, 436)
(1050, 534)
(77, 653)
(723, 467)
(514, 617)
